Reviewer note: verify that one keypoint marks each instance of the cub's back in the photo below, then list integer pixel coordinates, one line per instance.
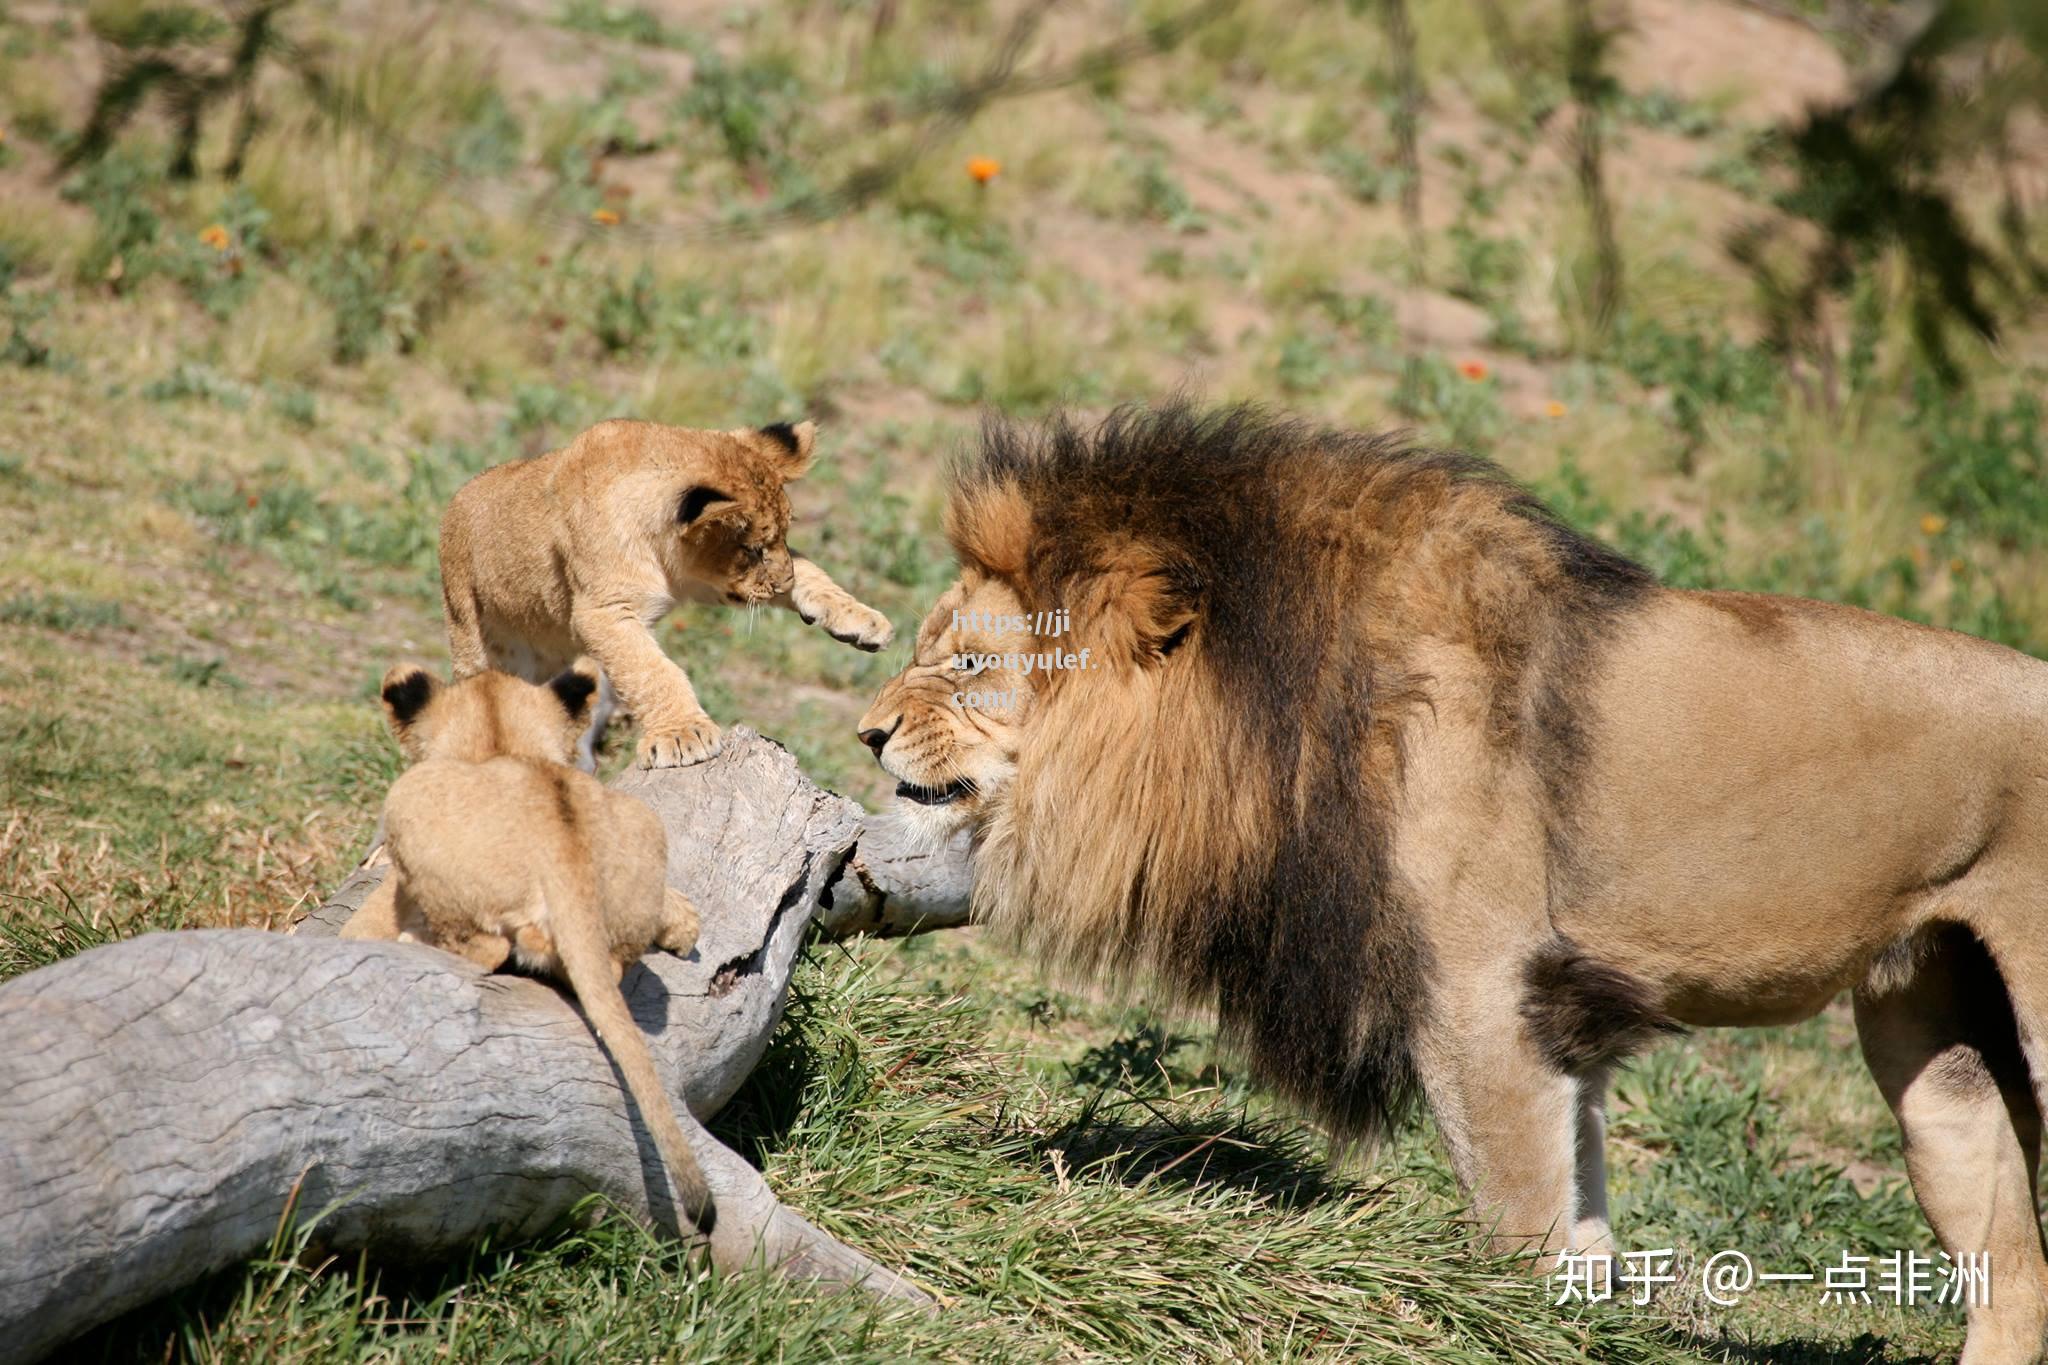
(485, 833)
(496, 510)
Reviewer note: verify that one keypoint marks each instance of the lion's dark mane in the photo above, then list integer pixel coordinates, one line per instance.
(1279, 533)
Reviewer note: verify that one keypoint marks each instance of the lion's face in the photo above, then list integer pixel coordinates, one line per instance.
(947, 730)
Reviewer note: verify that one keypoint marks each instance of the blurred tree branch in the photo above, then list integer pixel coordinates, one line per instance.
(1587, 40)
(170, 51)
(1877, 174)
(1407, 126)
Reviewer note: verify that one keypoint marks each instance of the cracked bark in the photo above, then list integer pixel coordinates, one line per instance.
(169, 1096)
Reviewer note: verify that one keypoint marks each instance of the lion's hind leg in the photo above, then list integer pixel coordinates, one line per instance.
(1939, 1033)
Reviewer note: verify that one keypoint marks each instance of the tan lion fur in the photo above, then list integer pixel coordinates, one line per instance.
(1421, 790)
(501, 851)
(585, 549)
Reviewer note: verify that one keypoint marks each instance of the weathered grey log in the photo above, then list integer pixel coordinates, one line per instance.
(898, 883)
(166, 1096)
(895, 883)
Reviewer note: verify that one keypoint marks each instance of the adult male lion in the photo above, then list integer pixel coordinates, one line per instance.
(1421, 789)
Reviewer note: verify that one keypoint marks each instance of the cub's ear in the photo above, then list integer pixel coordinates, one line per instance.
(701, 501)
(406, 691)
(574, 688)
(793, 445)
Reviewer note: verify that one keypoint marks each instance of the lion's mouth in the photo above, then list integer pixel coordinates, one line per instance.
(935, 796)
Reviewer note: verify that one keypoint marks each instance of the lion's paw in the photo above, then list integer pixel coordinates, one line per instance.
(693, 741)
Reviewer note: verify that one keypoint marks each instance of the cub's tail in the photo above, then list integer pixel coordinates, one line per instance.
(570, 889)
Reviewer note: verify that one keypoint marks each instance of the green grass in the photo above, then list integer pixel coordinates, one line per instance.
(234, 410)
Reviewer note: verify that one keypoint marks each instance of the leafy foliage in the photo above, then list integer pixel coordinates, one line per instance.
(1870, 176)
(1987, 467)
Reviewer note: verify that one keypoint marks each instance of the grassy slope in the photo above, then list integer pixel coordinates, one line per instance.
(220, 469)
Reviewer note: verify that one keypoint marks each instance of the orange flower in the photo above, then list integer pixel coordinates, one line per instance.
(215, 236)
(1933, 524)
(1956, 566)
(1473, 369)
(252, 499)
(983, 168)
(605, 218)
(1553, 409)
(418, 244)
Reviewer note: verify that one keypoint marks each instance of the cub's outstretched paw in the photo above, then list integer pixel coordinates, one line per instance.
(692, 742)
(852, 623)
(874, 633)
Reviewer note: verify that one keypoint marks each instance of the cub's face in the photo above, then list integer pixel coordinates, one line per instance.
(733, 511)
(743, 550)
(489, 715)
(949, 727)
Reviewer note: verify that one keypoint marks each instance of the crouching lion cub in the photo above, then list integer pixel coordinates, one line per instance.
(499, 849)
(585, 549)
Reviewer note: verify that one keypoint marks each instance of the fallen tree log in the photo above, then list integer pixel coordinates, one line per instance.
(169, 1097)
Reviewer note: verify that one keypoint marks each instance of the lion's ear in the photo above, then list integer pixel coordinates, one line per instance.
(1134, 610)
(700, 501)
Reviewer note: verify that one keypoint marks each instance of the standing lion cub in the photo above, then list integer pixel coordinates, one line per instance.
(585, 549)
(499, 849)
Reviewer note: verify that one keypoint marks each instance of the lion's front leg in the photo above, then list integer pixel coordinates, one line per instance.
(1509, 1119)
(1591, 1231)
(601, 712)
(822, 603)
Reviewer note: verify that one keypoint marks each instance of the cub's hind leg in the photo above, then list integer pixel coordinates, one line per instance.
(377, 916)
(468, 652)
(1944, 1048)
(487, 950)
(679, 923)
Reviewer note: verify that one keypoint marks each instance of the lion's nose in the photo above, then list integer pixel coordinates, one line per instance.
(876, 738)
